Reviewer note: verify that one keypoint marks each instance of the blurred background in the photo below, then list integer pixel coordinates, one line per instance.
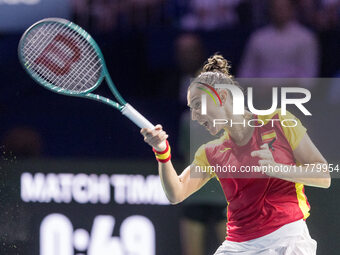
(77, 178)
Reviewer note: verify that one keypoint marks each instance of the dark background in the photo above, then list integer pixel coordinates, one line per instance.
(139, 45)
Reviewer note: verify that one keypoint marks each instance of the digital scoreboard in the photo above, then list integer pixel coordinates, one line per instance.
(94, 207)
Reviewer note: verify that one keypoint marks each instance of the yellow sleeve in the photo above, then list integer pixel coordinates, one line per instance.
(200, 157)
(202, 161)
(293, 134)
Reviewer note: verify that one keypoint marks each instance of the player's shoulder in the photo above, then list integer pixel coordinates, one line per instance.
(218, 141)
(214, 143)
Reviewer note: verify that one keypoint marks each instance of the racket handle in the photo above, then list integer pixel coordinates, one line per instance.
(137, 118)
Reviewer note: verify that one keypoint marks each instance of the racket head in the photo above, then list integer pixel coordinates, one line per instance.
(62, 57)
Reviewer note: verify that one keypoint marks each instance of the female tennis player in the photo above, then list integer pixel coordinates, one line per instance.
(266, 209)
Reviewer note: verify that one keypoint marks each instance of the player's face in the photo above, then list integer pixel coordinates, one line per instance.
(213, 110)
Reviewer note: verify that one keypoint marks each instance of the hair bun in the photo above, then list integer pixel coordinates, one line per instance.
(217, 63)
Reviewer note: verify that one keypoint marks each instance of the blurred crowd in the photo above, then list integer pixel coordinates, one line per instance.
(108, 15)
(284, 38)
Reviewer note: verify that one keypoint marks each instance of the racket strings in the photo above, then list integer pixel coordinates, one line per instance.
(92, 54)
(33, 36)
(45, 56)
(86, 70)
(78, 84)
(34, 52)
(43, 72)
(30, 52)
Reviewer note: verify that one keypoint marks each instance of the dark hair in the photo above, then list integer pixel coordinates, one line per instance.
(215, 71)
(217, 63)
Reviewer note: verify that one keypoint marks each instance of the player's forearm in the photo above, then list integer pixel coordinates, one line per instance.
(172, 186)
(316, 174)
(170, 182)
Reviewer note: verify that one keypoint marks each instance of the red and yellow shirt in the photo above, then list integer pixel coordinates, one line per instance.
(258, 206)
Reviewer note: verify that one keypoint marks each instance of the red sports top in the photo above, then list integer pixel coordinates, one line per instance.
(258, 206)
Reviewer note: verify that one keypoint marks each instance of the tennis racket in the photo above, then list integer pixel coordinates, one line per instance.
(64, 58)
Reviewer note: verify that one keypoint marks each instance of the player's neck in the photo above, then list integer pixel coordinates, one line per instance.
(239, 133)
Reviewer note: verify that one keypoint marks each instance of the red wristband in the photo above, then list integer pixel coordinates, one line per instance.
(165, 155)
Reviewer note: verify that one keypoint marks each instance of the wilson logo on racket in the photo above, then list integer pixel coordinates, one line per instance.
(62, 60)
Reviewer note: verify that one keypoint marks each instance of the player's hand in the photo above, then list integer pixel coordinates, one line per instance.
(265, 155)
(155, 137)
